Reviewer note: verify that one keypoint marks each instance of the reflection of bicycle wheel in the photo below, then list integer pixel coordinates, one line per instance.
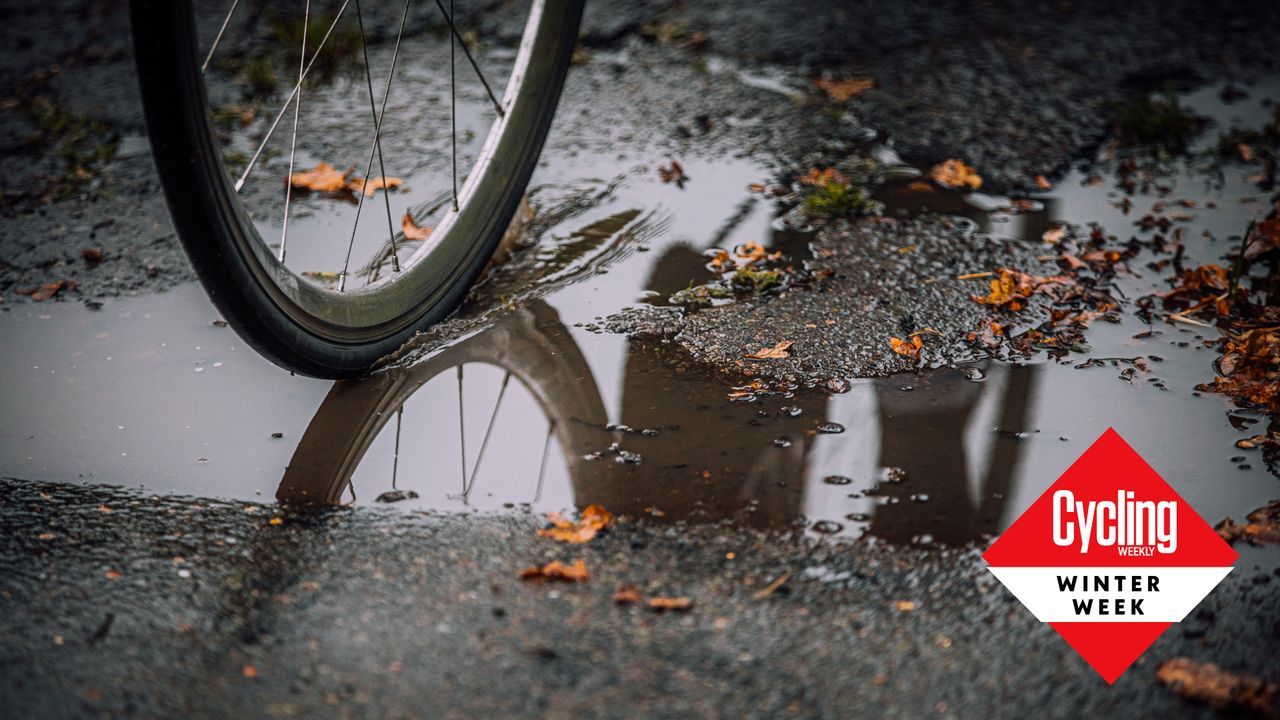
(299, 323)
(531, 346)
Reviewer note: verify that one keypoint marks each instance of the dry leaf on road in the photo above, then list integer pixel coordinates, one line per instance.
(777, 352)
(556, 570)
(907, 348)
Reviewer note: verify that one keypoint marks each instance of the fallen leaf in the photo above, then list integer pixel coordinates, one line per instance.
(45, 536)
(412, 230)
(250, 672)
(1208, 683)
(626, 595)
(593, 519)
(846, 89)
(372, 185)
(956, 175)
(48, 290)
(907, 348)
(323, 178)
(1042, 183)
(826, 176)
(1262, 526)
(276, 521)
(1054, 235)
(91, 255)
(673, 172)
(670, 603)
(1246, 151)
(905, 605)
(990, 336)
(1072, 261)
(556, 570)
(777, 352)
(114, 574)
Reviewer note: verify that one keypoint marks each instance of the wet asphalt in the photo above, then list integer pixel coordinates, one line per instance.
(117, 603)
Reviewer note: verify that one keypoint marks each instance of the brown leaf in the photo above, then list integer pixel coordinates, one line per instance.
(372, 185)
(412, 230)
(91, 255)
(1208, 683)
(49, 290)
(845, 89)
(1262, 528)
(777, 352)
(556, 570)
(907, 348)
(670, 603)
(593, 519)
(250, 672)
(1043, 184)
(905, 605)
(1054, 235)
(626, 595)
(323, 178)
(956, 175)
(673, 172)
(1246, 151)
(820, 178)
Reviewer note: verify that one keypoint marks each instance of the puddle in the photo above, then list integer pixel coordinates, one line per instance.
(536, 412)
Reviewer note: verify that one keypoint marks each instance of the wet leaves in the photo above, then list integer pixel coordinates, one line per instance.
(679, 604)
(1250, 369)
(1262, 526)
(323, 178)
(327, 179)
(1011, 289)
(907, 348)
(556, 570)
(626, 594)
(673, 172)
(843, 90)
(777, 352)
(1224, 690)
(593, 519)
(955, 174)
(51, 290)
(412, 230)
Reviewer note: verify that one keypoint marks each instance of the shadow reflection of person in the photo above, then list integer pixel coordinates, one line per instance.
(923, 435)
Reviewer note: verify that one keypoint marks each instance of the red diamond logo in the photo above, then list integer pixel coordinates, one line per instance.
(1110, 556)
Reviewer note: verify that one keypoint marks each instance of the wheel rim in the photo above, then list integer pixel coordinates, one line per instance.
(443, 263)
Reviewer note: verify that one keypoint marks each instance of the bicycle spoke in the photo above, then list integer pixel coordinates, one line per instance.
(462, 432)
(225, 21)
(475, 469)
(395, 458)
(293, 142)
(448, 16)
(542, 467)
(378, 116)
(253, 161)
(453, 112)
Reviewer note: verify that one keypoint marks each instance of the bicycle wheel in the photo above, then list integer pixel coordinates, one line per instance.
(340, 325)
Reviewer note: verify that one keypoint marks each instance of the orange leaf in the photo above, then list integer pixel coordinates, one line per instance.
(626, 595)
(412, 230)
(674, 172)
(372, 185)
(907, 348)
(777, 352)
(556, 570)
(956, 175)
(594, 518)
(844, 90)
(670, 603)
(321, 178)
(1042, 183)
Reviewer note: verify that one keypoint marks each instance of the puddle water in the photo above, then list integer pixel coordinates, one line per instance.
(535, 412)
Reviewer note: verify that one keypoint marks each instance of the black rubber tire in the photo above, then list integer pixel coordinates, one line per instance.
(214, 229)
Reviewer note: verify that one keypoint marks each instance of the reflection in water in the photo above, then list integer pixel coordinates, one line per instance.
(513, 415)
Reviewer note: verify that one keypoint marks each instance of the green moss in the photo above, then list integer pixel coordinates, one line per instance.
(1156, 122)
(839, 199)
(81, 142)
(756, 280)
(260, 78)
